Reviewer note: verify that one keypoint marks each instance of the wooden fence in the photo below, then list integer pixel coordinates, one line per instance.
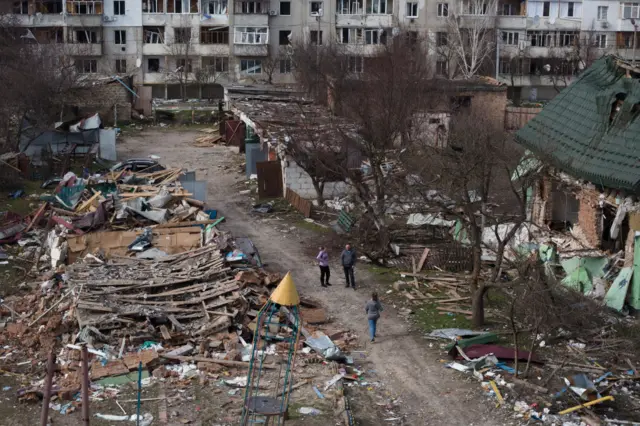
(303, 206)
(517, 117)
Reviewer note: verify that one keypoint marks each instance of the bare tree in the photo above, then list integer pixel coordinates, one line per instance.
(471, 179)
(273, 62)
(180, 48)
(38, 75)
(381, 94)
(472, 35)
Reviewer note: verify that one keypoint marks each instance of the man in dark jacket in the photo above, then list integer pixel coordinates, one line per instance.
(348, 259)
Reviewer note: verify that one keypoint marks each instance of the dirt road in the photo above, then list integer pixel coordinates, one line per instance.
(410, 370)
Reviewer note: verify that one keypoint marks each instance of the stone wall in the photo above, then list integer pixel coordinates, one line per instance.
(102, 98)
(300, 182)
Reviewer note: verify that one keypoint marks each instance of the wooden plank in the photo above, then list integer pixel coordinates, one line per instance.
(36, 217)
(423, 259)
(165, 332)
(454, 310)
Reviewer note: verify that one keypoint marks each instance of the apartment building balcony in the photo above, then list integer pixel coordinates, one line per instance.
(212, 49)
(251, 41)
(155, 49)
(83, 49)
(364, 13)
(511, 22)
(251, 13)
(43, 20)
(83, 20)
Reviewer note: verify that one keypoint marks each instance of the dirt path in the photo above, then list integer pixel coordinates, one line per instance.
(428, 393)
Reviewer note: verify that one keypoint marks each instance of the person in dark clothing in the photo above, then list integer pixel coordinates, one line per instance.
(348, 259)
(323, 262)
(373, 308)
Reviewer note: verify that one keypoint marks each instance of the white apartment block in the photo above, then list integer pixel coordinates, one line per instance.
(193, 45)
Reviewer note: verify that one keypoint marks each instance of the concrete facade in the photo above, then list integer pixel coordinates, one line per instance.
(299, 181)
(541, 45)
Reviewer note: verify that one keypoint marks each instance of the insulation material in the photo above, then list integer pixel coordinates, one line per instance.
(169, 240)
(618, 292)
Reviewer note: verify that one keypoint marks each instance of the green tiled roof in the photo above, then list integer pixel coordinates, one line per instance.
(573, 131)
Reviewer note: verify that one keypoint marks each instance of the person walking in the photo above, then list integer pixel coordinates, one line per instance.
(348, 259)
(373, 308)
(323, 262)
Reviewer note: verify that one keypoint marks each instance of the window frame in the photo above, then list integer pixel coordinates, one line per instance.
(411, 9)
(280, 8)
(510, 38)
(286, 66)
(120, 37)
(599, 16)
(119, 63)
(254, 63)
(443, 10)
(119, 7)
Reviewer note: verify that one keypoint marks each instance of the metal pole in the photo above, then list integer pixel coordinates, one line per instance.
(633, 55)
(497, 53)
(44, 416)
(139, 393)
(85, 386)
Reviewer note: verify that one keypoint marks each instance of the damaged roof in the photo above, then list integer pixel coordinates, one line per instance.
(301, 120)
(591, 130)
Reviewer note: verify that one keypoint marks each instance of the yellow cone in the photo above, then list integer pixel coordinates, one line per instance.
(286, 293)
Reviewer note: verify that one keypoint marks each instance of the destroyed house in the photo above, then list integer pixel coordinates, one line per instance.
(588, 136)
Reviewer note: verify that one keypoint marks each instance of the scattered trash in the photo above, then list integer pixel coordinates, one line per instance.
(309, 410)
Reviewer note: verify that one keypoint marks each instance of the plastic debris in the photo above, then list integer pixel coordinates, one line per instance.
(309, 410)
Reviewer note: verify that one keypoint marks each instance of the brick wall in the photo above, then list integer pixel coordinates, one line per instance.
(101, 99)
(590, 216)
(300, 182)
(542, 202)
(493, 103)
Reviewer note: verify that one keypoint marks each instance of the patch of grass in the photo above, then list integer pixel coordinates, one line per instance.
(314, 227)
(21, 205)
(429, 318)
(383, 275)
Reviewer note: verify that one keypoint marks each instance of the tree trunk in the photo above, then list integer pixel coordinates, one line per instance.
(476, 239)
(477, 306)
(319, 187)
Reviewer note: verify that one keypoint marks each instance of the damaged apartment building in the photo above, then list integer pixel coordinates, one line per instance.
(197, 45)
(587, 139)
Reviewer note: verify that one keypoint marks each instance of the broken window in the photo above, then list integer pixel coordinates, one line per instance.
(118, 7)
(441, 39)
(214, 35)
(21, 7)
(541, 38)
(316, 8)
(153, 6)
(251, 66)
(153, 35)
(153, 65)
(86, 36)
(377, 7)
(120, 36)
(252, 7)
(49, 6)
(349, 7)
(600, 41)
(350, 35)
(285, 66)
(215, 7)
(43, 35)
(475, 8)
(443, 10)
(377, 36)
(182, 6)
(216, 63)
(86, 66)
(251, 35)
(545, 8)
(460, 102)
(283, 37)
(121, 66)
(285, 8)
(184, 65)
(182, 35)
(505, 66)
(567, 38)
(84, 7)
(442, 68)
(355, 64)
(315, 37)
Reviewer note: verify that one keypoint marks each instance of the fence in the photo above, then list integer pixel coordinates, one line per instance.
(517, 117)
(303, 206)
